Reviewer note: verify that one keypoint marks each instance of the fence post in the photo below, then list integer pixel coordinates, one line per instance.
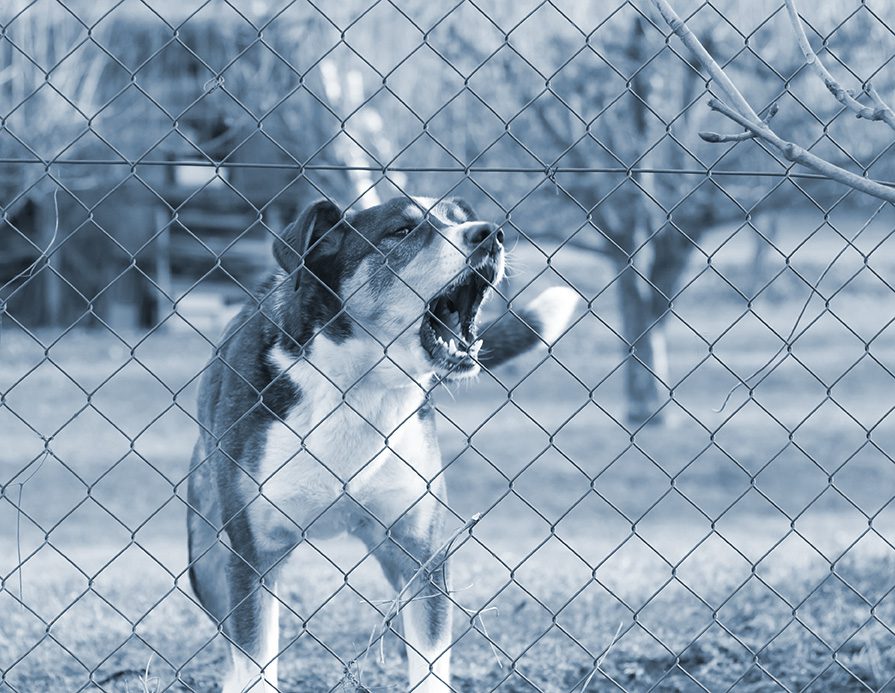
(163, 304)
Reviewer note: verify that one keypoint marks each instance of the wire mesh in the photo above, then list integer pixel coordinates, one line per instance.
(612, 529)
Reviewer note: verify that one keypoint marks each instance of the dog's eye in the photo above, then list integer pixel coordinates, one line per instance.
(403, 231)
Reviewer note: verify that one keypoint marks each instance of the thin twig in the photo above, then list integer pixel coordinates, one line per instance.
(740, 112)
(800, 155)
(705, 60)
(28, 272)
(396, 604)
(478, 615)
(844, 96)
(717, 137)
(21, 485)
(475, 613)
(602, 657)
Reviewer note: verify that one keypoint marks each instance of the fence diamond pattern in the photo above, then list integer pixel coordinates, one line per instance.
(549, 140)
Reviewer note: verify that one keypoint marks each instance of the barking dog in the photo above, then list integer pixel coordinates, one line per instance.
(315, 418)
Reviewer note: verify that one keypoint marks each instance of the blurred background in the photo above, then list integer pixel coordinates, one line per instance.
(149, 151)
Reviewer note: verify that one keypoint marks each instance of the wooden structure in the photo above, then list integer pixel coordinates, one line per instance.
(135, 209)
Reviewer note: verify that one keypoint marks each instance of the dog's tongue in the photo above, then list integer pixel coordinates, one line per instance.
(446, 321)
(465, 302)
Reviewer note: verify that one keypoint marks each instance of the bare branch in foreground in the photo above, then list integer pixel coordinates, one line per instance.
(742, 113)
(844, 96)
(878, 100)
(705, 60)
(716, 137)
(800, 155)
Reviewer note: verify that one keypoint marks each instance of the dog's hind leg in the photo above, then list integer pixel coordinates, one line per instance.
(208, 555)
(425, 605)
(252, 623)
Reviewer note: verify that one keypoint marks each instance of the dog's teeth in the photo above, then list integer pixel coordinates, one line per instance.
(452, 344)
(474, 349)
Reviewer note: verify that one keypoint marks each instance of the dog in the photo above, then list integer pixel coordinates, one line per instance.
(316, 421)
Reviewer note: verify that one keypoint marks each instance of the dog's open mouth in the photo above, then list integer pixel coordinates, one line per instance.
(449, 330)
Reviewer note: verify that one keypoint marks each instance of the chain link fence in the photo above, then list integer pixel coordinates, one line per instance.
(690, 488)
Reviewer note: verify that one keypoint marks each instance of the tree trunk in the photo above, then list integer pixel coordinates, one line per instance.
(49, 267)
(646, 361)
(345, 91)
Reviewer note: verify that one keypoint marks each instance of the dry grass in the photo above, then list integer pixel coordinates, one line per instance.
(735, 593)
(546, 642)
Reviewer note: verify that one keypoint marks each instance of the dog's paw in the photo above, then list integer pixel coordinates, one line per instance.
(552, 311)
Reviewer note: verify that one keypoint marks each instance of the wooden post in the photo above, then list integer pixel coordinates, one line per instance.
(163, 223)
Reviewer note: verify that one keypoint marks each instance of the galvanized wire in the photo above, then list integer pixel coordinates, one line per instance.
(386, 170)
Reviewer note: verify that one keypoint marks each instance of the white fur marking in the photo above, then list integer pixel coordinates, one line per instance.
(373, 437)
(420, 656)
(246, 675)
(554, 308)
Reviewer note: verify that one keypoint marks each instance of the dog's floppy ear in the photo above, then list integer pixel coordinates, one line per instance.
(314, 230)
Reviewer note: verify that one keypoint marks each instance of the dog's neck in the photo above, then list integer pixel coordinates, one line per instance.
(353, 372)
(332, 367)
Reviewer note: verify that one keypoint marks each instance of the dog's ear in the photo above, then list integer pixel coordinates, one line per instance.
(316, 230)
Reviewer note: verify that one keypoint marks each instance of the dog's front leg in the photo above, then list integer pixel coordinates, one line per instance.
(425, 606)
(427, 632)
(252, 626)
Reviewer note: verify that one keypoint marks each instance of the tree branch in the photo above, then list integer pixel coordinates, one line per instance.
(844, 96)
(800, 155)
(740, 112)
(716, 137)
(729, 89)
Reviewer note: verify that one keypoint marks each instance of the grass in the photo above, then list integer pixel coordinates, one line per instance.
(548, 633)
(747, 548)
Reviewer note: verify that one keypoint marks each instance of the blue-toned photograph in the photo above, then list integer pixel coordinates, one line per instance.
(352, 346)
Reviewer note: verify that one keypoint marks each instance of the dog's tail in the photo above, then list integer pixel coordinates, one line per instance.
(540, 323)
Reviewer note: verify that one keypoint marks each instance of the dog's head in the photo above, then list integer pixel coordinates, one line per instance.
(409, 275)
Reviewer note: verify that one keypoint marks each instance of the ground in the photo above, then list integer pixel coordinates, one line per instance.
(747, 548)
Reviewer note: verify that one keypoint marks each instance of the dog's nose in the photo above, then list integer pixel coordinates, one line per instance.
(478, 233)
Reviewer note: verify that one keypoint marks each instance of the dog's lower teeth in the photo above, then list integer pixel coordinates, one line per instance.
(451, 320)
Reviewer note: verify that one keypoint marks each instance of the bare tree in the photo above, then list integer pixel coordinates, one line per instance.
(647, 250)
(627, 223)
(644, 221)
(738, 109)
(734, 105)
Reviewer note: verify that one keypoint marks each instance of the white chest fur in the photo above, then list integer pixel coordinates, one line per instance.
(354, 440)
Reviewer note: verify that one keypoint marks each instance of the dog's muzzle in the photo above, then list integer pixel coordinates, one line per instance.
(449, 329)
